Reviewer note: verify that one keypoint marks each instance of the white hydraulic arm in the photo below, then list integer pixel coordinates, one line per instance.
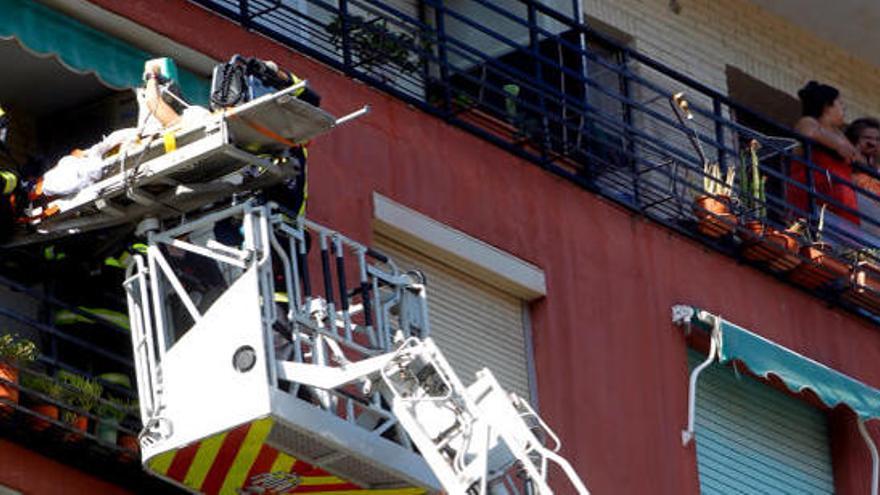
(353, 361)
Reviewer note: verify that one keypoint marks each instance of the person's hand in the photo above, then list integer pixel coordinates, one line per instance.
(849, 152)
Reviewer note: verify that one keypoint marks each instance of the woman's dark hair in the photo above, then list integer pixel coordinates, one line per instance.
(858, 126)
(815, 97)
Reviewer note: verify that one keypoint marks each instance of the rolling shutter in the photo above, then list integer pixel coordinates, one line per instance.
(752, 438)
(475, 324)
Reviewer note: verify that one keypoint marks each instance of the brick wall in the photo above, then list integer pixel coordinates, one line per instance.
(707, 35)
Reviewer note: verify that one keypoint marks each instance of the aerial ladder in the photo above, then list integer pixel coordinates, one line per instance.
(274, 354)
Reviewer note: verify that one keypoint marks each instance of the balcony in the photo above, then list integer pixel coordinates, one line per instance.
(585, 107)
(65, 383)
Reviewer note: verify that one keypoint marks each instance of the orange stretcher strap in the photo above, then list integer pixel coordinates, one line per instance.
(268, 132)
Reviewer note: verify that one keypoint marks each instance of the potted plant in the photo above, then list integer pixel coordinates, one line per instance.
(14, 352)
(82, 394)
(374, 46)
(110, 412)
(47, 388)
(785, 247)
(823, 266)
(752, 199)
(712, 208)
(128, 441)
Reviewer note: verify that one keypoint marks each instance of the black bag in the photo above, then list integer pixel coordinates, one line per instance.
(243, 79)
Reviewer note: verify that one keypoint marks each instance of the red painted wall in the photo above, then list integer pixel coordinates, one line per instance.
(30, 473)
(611, 368)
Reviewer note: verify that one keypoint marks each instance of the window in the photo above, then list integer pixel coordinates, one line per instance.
(474, 324)
(751, 438)
(476, 294)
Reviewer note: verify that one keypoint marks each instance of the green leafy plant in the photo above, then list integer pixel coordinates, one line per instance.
(42, 384)
(79, 392)
(375, 45)
(114, 409)
(17, 350)
(752, 185)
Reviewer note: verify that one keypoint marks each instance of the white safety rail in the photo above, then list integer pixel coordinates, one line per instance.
(332, 344)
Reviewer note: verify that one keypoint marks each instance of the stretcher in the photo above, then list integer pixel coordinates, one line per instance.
(186, 169)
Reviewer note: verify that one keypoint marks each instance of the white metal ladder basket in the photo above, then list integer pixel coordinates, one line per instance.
(347, 380)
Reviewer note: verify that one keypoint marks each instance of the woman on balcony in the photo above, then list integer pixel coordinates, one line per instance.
(822, 122)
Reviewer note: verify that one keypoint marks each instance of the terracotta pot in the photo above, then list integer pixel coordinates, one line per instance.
(713, 213)
(753, 247)
(131, 446)
(48, 410)
(785, 250)
(80, 423)
(822, 268)
(8, 393)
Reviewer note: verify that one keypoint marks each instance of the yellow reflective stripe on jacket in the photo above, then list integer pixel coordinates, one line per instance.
(10, 181)
(2, 112)
(295, 80)
(49, 254)
(67, 317)
(302, 207)
(121, 261)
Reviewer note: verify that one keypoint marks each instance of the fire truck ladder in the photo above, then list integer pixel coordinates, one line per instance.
(347, 381)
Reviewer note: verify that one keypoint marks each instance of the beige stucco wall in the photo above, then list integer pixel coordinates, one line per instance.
(707, 35)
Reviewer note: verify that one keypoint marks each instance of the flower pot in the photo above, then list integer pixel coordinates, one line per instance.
(784, 247)
(130, 444)
(714, 216)
(48, 410)
(80, 423)
(754, 248)
(107, 430)
(8, 393)
(821, 269)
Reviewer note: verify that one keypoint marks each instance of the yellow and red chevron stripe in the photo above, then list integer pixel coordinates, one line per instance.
(224, 463)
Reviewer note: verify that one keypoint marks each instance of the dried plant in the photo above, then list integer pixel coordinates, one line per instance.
(716, 182)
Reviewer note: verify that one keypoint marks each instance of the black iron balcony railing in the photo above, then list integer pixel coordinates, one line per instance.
(75, 401)
(584, 106)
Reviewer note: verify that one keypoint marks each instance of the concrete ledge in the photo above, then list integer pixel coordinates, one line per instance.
(457, 249)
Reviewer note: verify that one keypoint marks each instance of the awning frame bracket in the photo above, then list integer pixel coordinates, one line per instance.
(682, 315)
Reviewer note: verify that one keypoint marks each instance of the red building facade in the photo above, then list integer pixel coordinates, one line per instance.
(611, 370)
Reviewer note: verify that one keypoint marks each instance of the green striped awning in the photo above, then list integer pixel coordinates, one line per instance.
(764, 358)
(83, 49)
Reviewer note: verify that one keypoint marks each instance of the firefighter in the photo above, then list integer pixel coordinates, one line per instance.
(9, 181)
(293, 194)
(241, 79)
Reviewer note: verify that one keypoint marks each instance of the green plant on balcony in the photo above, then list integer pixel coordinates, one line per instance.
(374, 45)
(47, 388)
(752, 184)
(825, 265)
(14, 352)
(17, 350)
(111, 411)
(80, 393)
